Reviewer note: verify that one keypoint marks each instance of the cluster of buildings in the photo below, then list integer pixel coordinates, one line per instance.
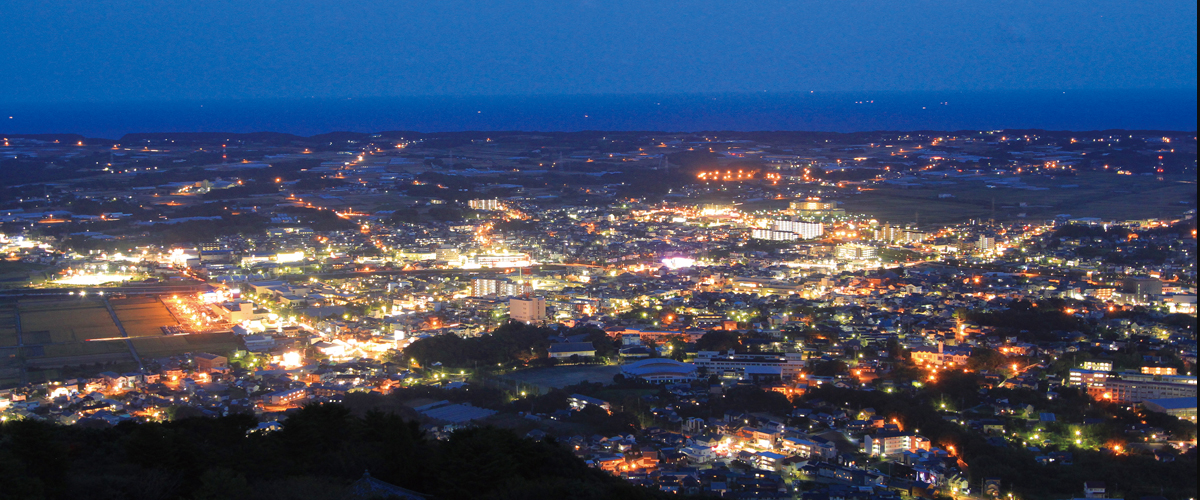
(199, 384)
(1158, 388)
(755, 454)
(323, 262)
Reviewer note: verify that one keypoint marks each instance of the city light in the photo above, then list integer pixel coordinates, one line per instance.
(678, 262)
(92, 279)
(754, 295)
(291, 359)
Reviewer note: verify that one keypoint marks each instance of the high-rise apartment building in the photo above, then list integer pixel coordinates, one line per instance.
(527, 309)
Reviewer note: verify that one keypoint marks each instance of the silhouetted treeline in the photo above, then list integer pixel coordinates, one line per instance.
(508, 343)
(319, 452)
(1042, 316)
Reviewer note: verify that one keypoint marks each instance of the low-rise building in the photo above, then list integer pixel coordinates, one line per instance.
(788, 365)
(568, 349)
(1135, 391)
(579, 402)
(287, 396)
(239, 311)
(941, 355)
(892, 443)
(207, 362)
(527, 309)
(1101, 365)
(660, 370)
(1184, 407)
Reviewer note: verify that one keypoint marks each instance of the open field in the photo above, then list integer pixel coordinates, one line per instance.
(216, 343)
(10, 366)
(19, 274)
(87, 359)
(85, 348)
(65, 321)
(150, 347)
(1106, 196)
(8, 358)
(48, 373)
(618, 395)
(56, 333)
(562, 376)
(143, 316)
(8, 326)
(367, 202)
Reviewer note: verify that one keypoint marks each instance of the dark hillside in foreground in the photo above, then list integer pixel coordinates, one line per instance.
(321, 450)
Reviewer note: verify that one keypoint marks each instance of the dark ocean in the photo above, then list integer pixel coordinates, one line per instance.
(816, 111)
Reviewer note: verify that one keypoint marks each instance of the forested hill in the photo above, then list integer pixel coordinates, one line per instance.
(320, 451)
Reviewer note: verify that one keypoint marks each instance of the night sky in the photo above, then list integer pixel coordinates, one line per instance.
(71, 51)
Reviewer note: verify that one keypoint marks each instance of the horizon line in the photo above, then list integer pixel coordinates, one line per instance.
(1191, 90)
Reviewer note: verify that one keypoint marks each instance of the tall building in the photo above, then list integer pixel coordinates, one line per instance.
(1142, 286)
(772, 235)
(806, 230)
(446, 254)
(855, 251)
(888, 232)
(896, 233)
(499, 287)
(891, 443)
(484, 286)
(816, 209)
(985, 244)
(490, 205)
(527, 309)
(811, 205)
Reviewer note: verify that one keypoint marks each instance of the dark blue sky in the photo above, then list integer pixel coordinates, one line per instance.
(71, 51)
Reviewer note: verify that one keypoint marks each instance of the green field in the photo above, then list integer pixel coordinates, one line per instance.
(1107, 196)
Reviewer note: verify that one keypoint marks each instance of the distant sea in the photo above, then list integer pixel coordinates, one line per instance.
(815, 111)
